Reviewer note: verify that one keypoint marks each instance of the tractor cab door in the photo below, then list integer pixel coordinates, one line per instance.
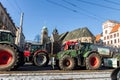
(84, 47)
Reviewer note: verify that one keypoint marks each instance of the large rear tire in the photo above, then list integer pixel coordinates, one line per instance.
(93, 61)
(67, 63)
(41, 59)
(8, 57)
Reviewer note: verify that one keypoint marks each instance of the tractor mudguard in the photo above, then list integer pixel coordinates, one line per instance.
(36, 52)
(14, 45)
(88, 53)
(71, 53)
(40, 58)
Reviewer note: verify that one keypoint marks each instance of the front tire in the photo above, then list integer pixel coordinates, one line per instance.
(8, 57)
(41, 59)
(93, 61)
(67, 63)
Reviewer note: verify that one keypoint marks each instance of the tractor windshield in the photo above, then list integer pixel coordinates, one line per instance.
(36, 47)
(5, 36)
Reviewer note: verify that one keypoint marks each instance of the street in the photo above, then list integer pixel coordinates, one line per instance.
(29, 72)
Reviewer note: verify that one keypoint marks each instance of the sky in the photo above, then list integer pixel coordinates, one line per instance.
(65, 15)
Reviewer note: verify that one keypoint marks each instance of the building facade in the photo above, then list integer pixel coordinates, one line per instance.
(20, 38)
(7, 23)
(5, 20)
(111, 33)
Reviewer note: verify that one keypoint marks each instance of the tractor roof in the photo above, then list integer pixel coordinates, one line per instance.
(7, 31)
(33, 43)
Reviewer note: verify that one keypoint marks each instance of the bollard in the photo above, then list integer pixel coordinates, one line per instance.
(53, 62)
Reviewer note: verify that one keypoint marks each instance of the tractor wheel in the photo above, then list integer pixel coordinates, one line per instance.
(21, 60)
(67, 63)
(8, 57)
(40, 59)
(115, 75)
(93, 61)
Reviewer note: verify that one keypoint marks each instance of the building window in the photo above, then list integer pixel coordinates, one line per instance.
(111, 42)
(5, 21)
(117, 34)
(107, 37)
(118, 41)
(114, 35)
(1, 15)
(108, 42)
(115, 41)
(105, 31)
(104, 43)
(104, 38)
(110, 36)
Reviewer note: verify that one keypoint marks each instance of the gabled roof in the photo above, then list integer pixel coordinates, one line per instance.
(63, 35)
(115, 28)
(57, 37)
(5, 10)
(78, 33)
(98, 37)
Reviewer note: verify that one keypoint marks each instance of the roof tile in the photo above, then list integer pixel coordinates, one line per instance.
(81, 32)
(98, 37)
(115, 28)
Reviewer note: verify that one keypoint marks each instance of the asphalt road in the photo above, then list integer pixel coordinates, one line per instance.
(28, 67)
(30, 72)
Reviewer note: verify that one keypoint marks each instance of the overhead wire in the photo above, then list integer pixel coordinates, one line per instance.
(55, 3)
(95, 4)
(74, 5)
(11, 4)
(92, 14)
(112, 2)
(73, 10)
(17, 6)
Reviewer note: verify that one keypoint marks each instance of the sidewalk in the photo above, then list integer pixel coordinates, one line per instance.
(57, 76)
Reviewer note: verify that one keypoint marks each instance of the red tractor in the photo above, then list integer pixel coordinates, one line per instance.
(36, 53)
(40, 54)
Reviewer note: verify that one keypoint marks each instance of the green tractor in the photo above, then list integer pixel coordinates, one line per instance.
(11, 56)
(83, 54)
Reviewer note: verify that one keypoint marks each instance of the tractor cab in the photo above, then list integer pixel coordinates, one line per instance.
(7, 36)
(36, 46)
(69, 45)
(30, 48)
